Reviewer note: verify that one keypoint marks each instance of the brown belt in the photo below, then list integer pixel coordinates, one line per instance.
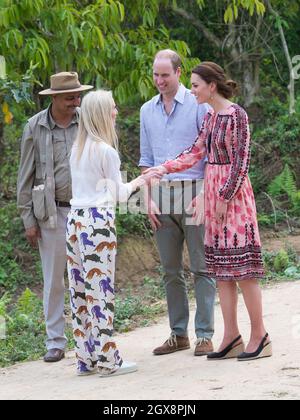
(62, 203)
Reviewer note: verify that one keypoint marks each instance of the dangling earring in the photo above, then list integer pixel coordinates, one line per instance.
(211, 97)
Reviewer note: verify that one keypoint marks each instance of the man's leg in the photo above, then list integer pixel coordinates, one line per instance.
(205, 287)
(52, 248)
(170, 238)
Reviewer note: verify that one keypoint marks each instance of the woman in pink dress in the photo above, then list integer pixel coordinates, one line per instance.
(232, 242)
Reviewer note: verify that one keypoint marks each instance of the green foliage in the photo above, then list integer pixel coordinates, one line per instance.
(132, 224)
(232, 10)
(15, 89)
(18, 262)
(25, 331)
(103, 40)
(4, 301)
(282, 264)
(10, 161)
(275, 163)
(265, 219)
(26, 303)
(285, 185)
(141, 308)
(281, 261)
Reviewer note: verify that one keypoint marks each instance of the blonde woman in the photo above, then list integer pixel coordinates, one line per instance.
(91, 236)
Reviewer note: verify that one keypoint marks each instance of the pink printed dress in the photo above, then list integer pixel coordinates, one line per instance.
(232, 248)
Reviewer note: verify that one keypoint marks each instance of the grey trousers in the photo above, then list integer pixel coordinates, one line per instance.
(176, 229)
(52, 247)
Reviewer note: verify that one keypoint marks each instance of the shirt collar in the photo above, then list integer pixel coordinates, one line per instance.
(179, 97)
(52, 123)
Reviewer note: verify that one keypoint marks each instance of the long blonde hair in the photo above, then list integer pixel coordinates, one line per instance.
(96, 120)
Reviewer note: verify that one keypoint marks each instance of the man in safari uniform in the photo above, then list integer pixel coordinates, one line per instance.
(44, 193)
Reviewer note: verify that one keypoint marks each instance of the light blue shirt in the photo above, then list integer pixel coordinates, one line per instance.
(163, 136)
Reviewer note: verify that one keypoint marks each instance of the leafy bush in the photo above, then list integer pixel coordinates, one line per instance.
(275, 144)
(19, 264)
(25, 330)
(282, 264)
(281, 261)
(265, 219)
(132, 224)
(10, 161)
(142, 307)
(284, 185)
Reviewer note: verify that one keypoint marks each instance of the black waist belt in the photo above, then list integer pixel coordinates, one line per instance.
(62, 203)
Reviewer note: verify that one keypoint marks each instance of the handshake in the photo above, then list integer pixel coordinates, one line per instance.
(153, 175)
(149, 177)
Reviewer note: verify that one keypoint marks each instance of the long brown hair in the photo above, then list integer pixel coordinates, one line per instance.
(212, 72)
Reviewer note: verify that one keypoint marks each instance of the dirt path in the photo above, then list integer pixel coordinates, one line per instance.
(179, 375)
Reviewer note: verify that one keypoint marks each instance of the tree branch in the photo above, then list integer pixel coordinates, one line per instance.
(291, 86)
(199, 25)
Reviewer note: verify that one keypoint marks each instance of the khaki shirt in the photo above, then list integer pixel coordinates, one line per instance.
(33, 163)
(63, 139)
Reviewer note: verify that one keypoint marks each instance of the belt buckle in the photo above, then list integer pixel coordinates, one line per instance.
(62, 203)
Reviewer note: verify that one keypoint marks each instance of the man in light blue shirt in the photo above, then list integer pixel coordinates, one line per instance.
(170, 123)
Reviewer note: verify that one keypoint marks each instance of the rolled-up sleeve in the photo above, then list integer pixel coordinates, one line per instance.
(147, 158)
(26, 177)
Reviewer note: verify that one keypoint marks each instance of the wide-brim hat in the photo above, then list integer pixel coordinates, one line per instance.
(65, 82)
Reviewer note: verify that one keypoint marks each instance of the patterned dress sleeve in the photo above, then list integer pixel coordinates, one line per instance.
(241, 156)
(193, 154)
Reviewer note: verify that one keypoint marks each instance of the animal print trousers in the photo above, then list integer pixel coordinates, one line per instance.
(91, 252)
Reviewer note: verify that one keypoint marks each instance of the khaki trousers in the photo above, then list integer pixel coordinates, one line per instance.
(177, 228)
(52, 247)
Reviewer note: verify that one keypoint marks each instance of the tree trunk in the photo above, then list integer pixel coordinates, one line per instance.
(291, 86)
(250, 80)
(238, 62)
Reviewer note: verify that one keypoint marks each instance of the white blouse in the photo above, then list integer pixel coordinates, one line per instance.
(96, 177)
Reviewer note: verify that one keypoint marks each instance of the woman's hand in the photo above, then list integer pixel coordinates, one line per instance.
(157, 172)
(221, 211)
(196, 208)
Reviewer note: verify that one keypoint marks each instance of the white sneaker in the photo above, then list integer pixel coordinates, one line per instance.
(127, 367)
(86, 372)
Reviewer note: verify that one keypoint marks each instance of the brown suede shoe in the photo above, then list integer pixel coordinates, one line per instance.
(54, 355)
(203, 346)
(174, 343)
